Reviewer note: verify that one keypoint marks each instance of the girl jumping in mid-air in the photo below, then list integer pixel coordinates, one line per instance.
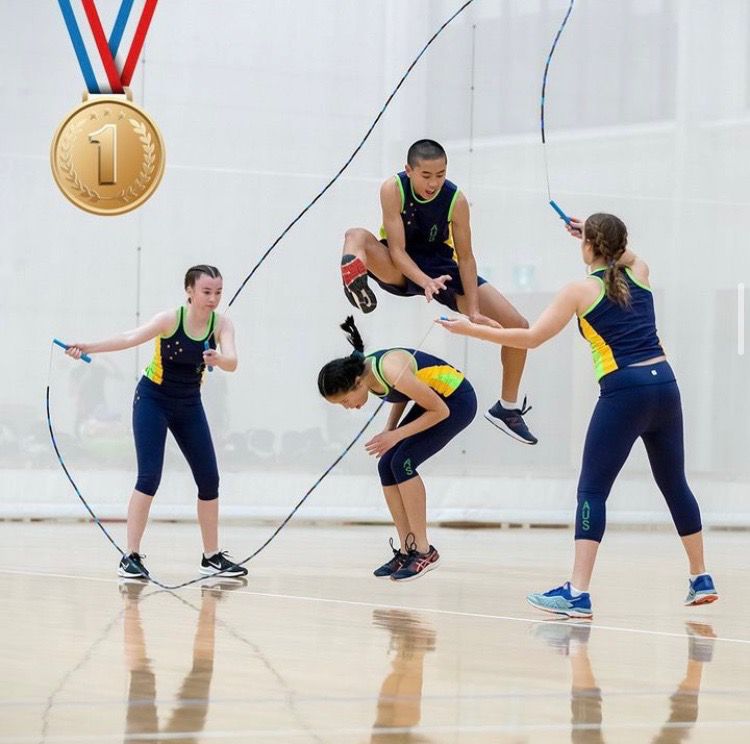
(444, 403)
(639, 398)
(168, 396)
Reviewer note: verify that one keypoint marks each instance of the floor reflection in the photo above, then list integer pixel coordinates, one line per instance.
(189, 714)
(571, 638)
(400, 699)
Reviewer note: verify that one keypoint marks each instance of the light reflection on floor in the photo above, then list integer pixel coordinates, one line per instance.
(310, 648)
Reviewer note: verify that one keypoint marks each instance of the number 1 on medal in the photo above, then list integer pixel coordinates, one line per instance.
(106, 138)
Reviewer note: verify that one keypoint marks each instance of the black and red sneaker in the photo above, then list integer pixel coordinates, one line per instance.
(393, 565)
(417, 565)
(356, 289)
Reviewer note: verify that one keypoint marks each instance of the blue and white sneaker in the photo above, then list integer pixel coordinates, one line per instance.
(560, 601)
(701, 591)
(510, 421)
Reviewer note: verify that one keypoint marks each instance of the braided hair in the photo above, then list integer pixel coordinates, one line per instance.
(608, 237)
(340, 375)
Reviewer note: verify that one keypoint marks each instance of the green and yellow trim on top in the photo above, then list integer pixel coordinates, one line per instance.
(155, 370)
(443, 378)
(604, 358)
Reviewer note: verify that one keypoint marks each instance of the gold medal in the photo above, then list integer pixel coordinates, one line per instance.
(107, 155)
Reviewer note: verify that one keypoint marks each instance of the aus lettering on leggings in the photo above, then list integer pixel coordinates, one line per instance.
(639, 399)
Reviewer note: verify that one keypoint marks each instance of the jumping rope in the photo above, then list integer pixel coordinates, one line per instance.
(353, 155)
(281, 526)
(552, 202)
(263, 257)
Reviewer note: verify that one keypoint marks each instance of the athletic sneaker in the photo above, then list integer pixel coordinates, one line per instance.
(393, 565)
(356, 289)
(221, 563)
(131, 567)
(560, 601)
(510, 421)
(701, 591)
(417, 564)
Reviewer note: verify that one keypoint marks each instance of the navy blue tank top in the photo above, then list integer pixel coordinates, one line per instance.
(620, 336)
(177, 364)
(442, 377)
(427, 223)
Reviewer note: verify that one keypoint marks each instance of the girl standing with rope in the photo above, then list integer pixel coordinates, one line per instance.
(168, 397)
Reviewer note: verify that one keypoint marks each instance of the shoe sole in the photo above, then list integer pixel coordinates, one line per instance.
(350, 297)
(358, 292)
(425, 570)
(125, 575)
(703, 599)
(564, 613)
(227, 573)
(499, 424)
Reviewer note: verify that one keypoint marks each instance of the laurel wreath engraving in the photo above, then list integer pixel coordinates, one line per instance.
(134, 190)
(65, 162)
(149, 161)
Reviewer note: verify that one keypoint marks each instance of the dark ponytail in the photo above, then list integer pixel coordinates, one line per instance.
(352, 335)
(608, 237)
(340, 375)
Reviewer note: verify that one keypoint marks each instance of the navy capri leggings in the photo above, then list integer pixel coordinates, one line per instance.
(153, 413)
(635, 402)
(400, 463)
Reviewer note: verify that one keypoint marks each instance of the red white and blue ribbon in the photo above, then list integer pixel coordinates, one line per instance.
(104, 67)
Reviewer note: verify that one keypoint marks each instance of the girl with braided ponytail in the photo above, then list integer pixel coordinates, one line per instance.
(443, 404)
(639, 399)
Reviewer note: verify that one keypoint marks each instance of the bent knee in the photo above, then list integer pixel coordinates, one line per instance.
(357, 235)
(386, 472)
(517, 321)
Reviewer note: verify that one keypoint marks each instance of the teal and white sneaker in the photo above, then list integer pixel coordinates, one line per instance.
(701, 591)
(560, 601)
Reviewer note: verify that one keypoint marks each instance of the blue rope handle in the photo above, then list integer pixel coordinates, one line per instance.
(84, 357)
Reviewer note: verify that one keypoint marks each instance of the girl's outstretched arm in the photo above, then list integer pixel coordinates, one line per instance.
(161, 323)
(549, 323)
